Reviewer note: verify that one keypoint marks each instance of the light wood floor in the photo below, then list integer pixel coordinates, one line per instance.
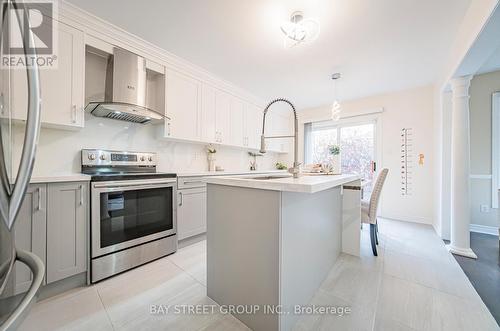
(414, 284)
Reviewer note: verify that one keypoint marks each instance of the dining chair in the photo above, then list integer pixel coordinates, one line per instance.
(369, 209)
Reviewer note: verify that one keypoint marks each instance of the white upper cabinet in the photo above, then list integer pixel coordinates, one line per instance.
(222, 117)
(183, 106)
(253, 125)
(208, 113)
(228, 120)
(238, 134)
(62, 88)
(278, 125)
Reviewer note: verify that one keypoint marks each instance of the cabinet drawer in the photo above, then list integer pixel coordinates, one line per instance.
(190, 182)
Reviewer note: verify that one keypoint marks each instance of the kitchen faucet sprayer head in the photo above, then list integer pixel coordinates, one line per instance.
(262, 144)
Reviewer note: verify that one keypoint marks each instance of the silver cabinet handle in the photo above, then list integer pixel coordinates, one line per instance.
(180, 199)
(39, 203)
(81, 195)
(73, 114)
(187, 182)
(32, 128)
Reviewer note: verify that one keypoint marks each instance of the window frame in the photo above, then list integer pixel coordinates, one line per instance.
(375, 119)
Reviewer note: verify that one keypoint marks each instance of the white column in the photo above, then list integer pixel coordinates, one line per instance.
(460, 169)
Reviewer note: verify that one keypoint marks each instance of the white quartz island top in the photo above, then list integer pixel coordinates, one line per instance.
(229, 173)
(303, 184)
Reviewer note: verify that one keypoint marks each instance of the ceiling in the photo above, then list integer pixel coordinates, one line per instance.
(378, 46)
(484, 54)
(493, 63)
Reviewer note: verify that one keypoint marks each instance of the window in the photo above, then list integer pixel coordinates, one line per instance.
(357, 144)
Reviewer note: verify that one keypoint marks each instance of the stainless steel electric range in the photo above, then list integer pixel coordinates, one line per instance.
(133, 211)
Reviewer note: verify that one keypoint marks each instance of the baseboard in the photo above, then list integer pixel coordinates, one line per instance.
(437, 228)
(191, 240)
(406, 218)
(484, 229)
(63, 285)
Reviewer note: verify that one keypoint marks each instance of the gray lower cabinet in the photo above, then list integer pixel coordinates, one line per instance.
(191, 212)
(30, 232)
(52, 223)
(66, 229)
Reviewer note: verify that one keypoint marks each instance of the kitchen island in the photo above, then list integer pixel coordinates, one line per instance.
(271, 241)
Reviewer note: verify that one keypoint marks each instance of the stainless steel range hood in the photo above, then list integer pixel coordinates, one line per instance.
(125, 91)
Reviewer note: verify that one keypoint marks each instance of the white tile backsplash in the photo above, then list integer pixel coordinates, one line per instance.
(59, 150)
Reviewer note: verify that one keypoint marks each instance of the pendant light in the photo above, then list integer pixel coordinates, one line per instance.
(336, 106)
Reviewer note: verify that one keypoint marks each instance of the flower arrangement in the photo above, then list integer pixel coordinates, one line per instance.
(211, 149)
(334, 149)
(211, 157)
(336, 163)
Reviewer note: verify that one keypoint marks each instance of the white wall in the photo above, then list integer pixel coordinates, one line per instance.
(460, 62)
(481, 90)
(59, 151)
(410, 108)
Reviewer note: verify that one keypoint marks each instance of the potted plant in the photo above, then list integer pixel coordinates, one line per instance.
(336, 160)
(211, 157)
(281, 166)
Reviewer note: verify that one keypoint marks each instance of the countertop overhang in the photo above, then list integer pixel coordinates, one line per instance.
(303, 184)
(229, 173)
(59, 178)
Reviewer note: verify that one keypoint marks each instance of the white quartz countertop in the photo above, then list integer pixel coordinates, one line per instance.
(78, 177)
(303, 184)
(229, 173)
(59, 178)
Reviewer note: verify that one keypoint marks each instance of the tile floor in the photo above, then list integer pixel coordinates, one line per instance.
(484, 273)
(414, 284)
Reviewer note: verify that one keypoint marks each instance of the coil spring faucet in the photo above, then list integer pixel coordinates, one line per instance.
(295, 170)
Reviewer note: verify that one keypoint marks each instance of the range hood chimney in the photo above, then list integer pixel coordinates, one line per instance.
(125, 91)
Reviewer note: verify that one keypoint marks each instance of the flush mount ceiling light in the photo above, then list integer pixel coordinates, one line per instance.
(299, 30)
(336, 106)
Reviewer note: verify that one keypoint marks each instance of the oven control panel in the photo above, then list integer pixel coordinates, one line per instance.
(100, 157)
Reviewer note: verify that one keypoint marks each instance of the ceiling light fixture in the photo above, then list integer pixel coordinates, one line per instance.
(299, 30)
(336, 106)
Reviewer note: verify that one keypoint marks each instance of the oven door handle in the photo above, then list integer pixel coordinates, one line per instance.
(138, 185)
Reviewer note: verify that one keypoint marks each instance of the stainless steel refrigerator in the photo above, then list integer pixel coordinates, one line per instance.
(15, 176)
